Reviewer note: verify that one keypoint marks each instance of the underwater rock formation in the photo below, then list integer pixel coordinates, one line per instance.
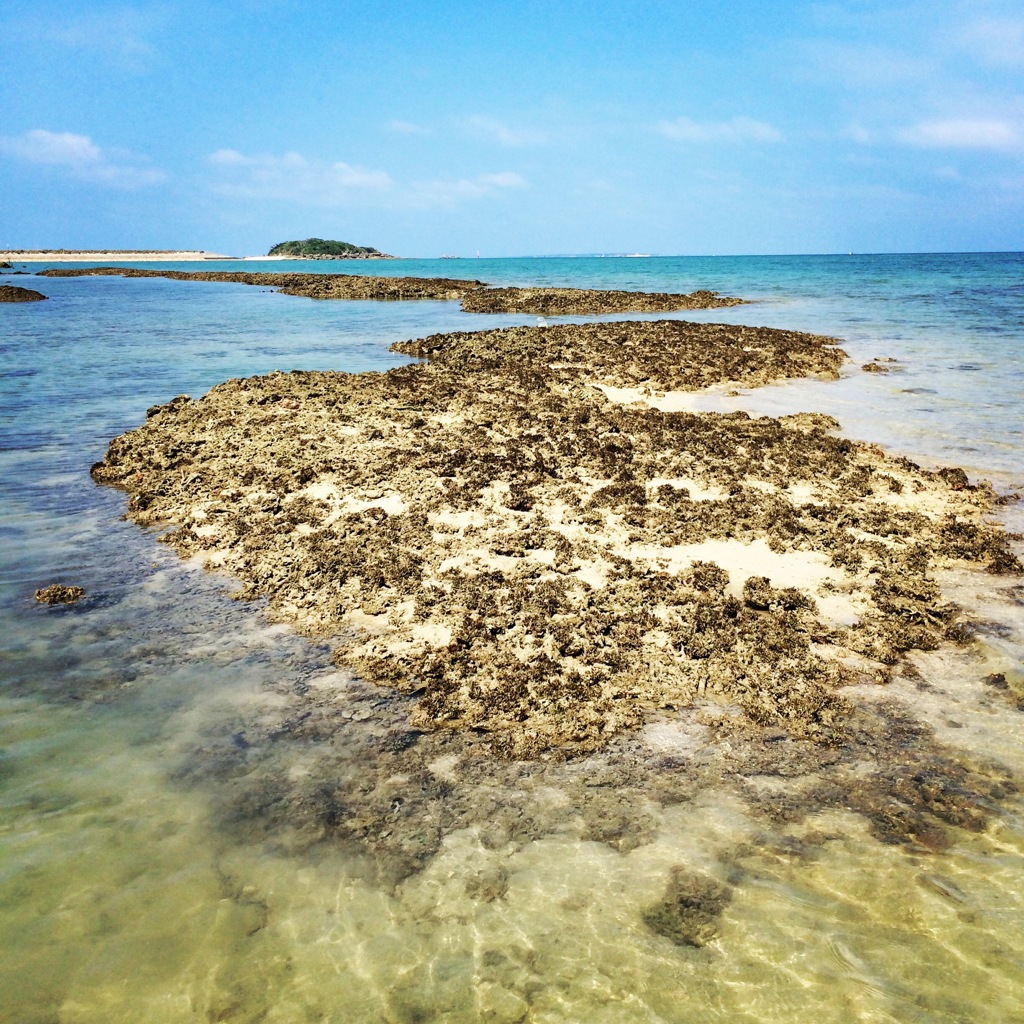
(689, 912)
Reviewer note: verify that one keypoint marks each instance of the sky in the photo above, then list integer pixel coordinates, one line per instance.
(514, 128)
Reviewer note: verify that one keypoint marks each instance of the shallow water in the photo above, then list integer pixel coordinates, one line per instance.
(163, 855)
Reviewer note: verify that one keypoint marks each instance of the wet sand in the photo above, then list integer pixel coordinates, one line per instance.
(506, 555)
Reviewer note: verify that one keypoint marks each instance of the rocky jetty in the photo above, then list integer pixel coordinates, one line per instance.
(489, 534)
(12, 293)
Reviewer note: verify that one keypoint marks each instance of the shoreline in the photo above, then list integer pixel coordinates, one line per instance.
(154, 256)
(109, 255)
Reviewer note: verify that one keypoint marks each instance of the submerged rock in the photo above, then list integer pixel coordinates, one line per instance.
(690, 910)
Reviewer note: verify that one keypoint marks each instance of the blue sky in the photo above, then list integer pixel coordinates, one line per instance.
(513, 128)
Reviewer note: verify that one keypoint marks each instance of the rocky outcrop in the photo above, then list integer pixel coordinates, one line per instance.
(12, 293)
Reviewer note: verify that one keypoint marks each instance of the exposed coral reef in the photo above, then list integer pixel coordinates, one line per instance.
(583, 301)
(491, 535)
(476, 297)
(313, 286)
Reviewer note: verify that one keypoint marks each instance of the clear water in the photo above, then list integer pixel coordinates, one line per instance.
(132, 887)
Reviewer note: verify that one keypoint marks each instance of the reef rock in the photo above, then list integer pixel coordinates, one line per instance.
(58, 593)
(12, 293)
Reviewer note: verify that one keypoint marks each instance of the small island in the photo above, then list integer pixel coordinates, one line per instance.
(326, 249)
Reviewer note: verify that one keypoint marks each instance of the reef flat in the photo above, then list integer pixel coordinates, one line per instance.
(313, 286)
(588, 301)
(491, 535)
(475, 296)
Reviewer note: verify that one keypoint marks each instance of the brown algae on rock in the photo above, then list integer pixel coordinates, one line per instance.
(489, 534)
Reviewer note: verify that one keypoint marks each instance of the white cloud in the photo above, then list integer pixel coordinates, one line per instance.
(447, 193)
(858, 133)
(504, 179)
(994, 41)
(119, 35)
(862, 66)
(503, 134)
(407, 128)
(294, 178)
(738, 129)
(964, 133)
(82, 158)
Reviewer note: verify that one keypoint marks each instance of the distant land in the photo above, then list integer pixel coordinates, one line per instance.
(107, 255)
(327, 249)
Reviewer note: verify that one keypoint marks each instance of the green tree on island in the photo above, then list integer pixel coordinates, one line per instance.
(321, 247)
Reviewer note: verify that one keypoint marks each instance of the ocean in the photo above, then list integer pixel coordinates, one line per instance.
(149, 869)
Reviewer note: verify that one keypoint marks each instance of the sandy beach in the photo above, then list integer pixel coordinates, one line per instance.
(145, 256)
(108, 256)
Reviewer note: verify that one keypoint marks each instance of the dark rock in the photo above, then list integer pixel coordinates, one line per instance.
(13, 293)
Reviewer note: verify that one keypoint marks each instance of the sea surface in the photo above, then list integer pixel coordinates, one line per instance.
(143, 879)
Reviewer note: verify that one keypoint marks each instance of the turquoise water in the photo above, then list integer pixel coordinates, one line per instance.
(150, 868)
